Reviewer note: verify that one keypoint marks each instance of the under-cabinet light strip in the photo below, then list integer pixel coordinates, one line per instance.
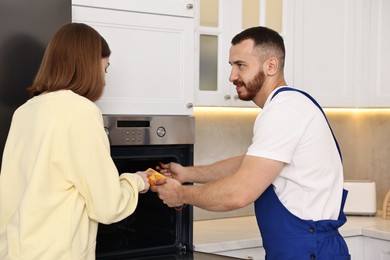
(331, 110)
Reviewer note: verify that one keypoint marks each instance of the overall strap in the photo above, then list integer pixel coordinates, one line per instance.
(316, 103)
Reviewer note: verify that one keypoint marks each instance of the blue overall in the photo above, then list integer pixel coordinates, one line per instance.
(285, 236)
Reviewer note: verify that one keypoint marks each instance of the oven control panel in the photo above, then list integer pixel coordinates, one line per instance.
(135, 136)
(149, 130)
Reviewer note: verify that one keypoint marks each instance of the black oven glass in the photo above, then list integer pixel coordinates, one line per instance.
(153, 228)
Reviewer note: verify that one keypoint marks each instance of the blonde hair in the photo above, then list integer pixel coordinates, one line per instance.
(73, 61)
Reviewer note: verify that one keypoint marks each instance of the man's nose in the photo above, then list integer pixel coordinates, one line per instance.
(233, 75)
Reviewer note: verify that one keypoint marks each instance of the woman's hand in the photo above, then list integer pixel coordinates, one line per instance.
(144, 177)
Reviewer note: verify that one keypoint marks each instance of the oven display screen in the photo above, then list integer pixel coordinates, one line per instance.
(127, 123)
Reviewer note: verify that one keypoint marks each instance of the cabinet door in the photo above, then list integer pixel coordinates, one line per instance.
(377, 85)
(231, 17)
(213, 38)
(326, 42)
(166, 7)
(376, 249)
(152, 61)
(355, 247)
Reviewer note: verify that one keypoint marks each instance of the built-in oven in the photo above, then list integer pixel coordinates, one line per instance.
(154, 230)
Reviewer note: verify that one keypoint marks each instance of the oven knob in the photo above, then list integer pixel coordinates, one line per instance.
(161, 131)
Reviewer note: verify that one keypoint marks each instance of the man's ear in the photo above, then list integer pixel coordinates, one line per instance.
(271, 66)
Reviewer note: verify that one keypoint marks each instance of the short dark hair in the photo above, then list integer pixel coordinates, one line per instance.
(72, 61)
(265, 39)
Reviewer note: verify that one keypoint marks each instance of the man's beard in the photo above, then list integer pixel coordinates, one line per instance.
(252, 87)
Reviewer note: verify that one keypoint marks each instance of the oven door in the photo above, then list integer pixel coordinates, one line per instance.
(154, 228)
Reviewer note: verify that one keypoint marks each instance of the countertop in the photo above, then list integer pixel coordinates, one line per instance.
(242, 232)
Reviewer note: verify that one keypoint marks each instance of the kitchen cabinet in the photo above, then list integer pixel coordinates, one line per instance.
(254, 253)
(377, 51)
(152, 62)
(359, 247)
(167, 7)
(323, 48)
(213, 39)
(216, 24)
(355, 247)
(376, 249)
(337, 51)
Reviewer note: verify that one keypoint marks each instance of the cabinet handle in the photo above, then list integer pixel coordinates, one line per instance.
(190, 105)
(190, 6)
(235, 97)
(227, 97)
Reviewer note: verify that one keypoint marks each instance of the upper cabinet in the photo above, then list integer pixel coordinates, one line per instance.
(377, 55)
(152, 62)
(323, 49)
(168, 55)
(166, 7)
(219, 21)
(338, 52)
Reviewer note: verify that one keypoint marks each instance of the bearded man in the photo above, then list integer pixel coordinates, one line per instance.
(292, 171)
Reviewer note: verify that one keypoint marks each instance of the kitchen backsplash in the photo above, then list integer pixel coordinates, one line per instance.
(363, 136)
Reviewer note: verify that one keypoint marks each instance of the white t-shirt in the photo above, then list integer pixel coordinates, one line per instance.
(292, 129)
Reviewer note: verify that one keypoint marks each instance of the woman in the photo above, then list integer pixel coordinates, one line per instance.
(57, 179)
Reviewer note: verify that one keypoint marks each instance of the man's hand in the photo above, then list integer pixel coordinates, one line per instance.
(169, 191)
(174, 170)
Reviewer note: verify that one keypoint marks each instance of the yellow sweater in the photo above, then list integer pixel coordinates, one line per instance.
(58, 180)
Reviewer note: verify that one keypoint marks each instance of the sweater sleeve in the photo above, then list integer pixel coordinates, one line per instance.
(108, 197)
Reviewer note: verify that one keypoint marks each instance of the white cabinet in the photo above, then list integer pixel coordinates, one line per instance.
(377, 53)
(338, 51)
(212, 70)
(323, 44)
(166, 7)
(376, 249)
(355, 247)
(253, 253)
(367, 248)
(152, 62)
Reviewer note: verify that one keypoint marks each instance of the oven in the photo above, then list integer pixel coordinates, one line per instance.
(154, 230)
